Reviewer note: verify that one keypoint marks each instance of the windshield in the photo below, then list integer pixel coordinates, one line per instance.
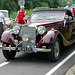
(47, 15)
(5, 13)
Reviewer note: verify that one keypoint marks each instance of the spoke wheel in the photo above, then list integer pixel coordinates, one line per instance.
(55, 53)
(56, 49)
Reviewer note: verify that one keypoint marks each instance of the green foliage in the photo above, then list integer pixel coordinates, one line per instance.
(50, 3)
(36, 3)
(12, 5)
(9, 5)
(29, 11)
(62, 7)
(29, 5)
(13, 14)
(43, 4)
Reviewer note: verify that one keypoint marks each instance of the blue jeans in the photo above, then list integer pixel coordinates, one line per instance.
(1, 28)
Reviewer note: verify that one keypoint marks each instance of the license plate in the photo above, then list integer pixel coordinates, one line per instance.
(25, 48)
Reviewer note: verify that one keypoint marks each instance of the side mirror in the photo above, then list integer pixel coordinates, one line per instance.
(64, 23)
(65, 19)
(26, 19)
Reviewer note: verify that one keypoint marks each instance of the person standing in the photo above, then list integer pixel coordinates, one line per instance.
(73, 11)
(2, 27)
(21, 14)
(68, 6)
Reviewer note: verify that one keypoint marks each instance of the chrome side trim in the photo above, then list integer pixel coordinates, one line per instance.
(43, 50)
(8, 48)
(0, 44)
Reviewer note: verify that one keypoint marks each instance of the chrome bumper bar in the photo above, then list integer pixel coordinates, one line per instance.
(42, 50)
(34, 50)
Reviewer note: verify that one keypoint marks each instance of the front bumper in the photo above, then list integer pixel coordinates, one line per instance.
(27, 49)
(33, 50)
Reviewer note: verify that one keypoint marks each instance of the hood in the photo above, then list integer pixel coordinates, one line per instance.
(44, 23)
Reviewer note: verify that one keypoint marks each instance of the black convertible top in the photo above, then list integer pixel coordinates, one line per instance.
(51, 10)
(68, 12)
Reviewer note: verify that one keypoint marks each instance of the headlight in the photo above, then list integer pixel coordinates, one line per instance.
(25, 38)
(70, 18)
(66, 16)
(41, 30)
(16, 29)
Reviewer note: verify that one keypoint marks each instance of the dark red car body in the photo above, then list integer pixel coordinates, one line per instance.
(62, 28)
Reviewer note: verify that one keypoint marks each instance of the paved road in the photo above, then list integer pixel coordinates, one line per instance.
(36, 64)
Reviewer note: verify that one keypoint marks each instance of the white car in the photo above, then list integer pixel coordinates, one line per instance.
(9, 21)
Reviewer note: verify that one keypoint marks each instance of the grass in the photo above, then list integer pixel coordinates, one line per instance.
(13, 14)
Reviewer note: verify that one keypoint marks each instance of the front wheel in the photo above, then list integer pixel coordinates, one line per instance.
(55, 53)
(9, 54)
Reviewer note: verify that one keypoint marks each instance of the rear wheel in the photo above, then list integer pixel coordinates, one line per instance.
(9, 54)
(55, 53)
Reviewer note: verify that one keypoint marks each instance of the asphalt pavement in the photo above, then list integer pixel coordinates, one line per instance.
(71, 71)
(36, 64)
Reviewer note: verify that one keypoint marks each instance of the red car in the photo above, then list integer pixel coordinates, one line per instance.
(48, 31)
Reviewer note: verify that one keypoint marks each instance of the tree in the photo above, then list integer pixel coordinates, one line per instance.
(43, 4)
(1, 4)
(9, 5)
(29, 5)
(36, 3)
(12, 5)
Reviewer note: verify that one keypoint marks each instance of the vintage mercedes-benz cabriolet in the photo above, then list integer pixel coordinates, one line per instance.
(48, 31)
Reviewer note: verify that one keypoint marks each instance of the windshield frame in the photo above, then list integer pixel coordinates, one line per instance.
(50, 12)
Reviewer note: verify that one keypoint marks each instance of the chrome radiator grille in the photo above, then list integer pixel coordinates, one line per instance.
(31, 33)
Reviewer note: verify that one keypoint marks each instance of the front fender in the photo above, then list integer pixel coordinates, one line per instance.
(48, 38)
(7, 37)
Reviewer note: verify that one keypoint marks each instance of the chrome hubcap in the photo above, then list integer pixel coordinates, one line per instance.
(56, 49)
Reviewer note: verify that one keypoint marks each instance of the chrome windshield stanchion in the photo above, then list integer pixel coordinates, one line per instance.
(9, 47)
(0, 44)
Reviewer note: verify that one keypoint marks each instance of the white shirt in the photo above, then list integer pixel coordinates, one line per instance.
(69, 8)
(1, 16)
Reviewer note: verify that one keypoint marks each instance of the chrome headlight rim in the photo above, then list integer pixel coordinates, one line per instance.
(16, 29)
(70, 18)
(66, 16)
(41, 30)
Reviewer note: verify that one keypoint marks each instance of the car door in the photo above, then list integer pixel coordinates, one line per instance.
(68, 30)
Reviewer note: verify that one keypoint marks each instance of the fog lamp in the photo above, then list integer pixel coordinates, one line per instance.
(16, 42)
